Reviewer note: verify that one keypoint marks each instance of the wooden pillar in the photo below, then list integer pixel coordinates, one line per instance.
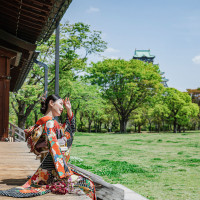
(4, 96)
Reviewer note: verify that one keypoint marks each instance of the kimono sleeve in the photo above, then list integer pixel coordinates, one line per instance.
(55, 148)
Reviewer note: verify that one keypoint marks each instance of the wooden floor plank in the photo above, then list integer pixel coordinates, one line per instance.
(16, 163)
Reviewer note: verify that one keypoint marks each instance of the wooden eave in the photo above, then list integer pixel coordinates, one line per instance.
(24, 24)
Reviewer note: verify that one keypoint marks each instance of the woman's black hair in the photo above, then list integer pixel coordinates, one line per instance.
(44, 104)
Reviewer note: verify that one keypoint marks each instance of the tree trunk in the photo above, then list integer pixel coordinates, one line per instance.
(96, 126)
(24, 112)
(158, 127)
(75, 113)
(123, 123)
(195, 126)
(36, 116)
(81, 122)
(100, 123)
(135, 128)
(163, 125)
(21, 116)
(21, 121)
(149, 127)
(89, 125)
(139, 128)
(179, 128)
(175, 125)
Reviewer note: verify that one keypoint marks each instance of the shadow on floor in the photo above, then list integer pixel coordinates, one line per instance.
(17, 182)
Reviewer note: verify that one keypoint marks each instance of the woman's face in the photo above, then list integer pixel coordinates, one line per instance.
(57, 107)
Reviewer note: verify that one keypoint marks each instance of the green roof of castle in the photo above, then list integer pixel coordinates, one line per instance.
(143, 53)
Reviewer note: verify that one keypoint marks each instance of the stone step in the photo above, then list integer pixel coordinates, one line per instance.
(130, 194)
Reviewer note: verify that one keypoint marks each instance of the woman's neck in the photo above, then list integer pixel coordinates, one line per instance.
(49, 113)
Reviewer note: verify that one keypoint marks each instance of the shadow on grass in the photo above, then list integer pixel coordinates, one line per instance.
(192, 162)
(82, 145)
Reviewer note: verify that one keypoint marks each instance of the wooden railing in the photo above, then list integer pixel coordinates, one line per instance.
(16, 134)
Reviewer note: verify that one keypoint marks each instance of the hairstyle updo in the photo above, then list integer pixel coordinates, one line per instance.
(44, 104)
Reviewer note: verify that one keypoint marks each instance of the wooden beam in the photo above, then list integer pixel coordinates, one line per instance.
(4, 52)
(39, 2)
(30, 27)
(14, 56)
(35, 7)
(23, 20)
(24, 9)
(16, 41)
(26, 36)
(10, 12)
(24, 5)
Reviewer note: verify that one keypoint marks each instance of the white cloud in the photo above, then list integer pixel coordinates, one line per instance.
(196, 59)
(114, 57)
(111, 50)
(92, 10)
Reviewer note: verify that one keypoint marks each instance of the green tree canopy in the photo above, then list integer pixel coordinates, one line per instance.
(126, 84)
(180, 106)
(77, 42)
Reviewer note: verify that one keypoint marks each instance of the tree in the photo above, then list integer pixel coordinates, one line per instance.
(25, 100)
(139, 117)
(74, 40)
(160, 112)
(194, 123)
(126, 84)
(188, 111)
(180, 106)
(93, 108)
(81, 95)
(150, 118)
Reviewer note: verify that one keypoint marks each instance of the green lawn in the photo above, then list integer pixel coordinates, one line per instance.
(162, 166)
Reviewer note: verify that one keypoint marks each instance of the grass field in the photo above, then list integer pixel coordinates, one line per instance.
(162, 166)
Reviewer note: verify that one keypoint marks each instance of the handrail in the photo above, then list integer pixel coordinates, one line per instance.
(16, 134)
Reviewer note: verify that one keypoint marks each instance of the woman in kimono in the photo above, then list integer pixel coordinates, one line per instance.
(52, 142)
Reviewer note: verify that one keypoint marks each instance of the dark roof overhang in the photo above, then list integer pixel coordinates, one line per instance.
(23, 25)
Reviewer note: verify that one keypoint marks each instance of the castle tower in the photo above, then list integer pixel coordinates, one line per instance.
(145, 56)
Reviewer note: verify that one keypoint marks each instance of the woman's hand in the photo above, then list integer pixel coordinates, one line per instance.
(68, 106)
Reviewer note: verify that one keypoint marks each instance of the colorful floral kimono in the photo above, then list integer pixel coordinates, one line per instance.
(52, 142)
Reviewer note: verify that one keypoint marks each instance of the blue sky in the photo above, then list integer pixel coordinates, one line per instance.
(171, 29)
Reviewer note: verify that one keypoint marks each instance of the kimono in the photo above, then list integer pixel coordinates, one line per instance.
(52, 142)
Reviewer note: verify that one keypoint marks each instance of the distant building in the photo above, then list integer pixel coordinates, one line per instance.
(164, 80)
(145, 56)
(195, 95)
